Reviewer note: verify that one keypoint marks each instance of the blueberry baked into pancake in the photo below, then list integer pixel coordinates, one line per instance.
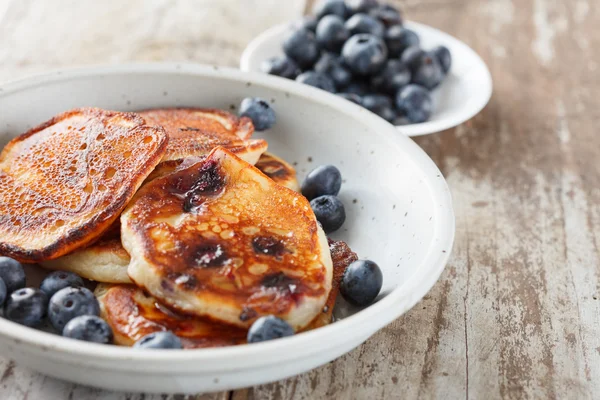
(191, 244)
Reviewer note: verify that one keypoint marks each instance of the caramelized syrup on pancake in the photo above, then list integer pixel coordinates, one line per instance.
(221, 239)
(196, 131)
(133, 314)
(63, 183)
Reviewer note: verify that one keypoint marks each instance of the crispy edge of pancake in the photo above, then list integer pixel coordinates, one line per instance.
(87, 232)
(123, 312)
(240, 127)
(141, 271)
(278, 170)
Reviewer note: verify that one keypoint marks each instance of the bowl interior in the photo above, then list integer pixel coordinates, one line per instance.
(464, 92)
(391, 191)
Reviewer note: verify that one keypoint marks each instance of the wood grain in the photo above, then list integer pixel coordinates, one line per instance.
(516, 314)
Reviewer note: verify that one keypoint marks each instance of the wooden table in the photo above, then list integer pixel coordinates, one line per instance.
(516, 313)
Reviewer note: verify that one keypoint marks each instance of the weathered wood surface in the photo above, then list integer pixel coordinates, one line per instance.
(516, 313)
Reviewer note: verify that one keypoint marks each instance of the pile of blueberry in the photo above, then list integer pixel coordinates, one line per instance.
(65, 303)
(360, 50)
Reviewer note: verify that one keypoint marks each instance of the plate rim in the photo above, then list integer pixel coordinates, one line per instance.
(420, 129)
(369, 320)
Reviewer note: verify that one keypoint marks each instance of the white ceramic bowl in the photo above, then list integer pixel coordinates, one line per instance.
(464, 92)
(402, 219)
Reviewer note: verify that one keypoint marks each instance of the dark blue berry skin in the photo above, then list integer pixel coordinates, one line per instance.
(317, 80)
(360, 6)
(361, 283)
(26, 306)
(364, 23)
(394, 75)
(351, 97)
(159, 340)
(330, 212)
(58, 280)
(357, 87)
(411, 57)
(398, 39)
(323, 180)
(381, 105)
(269, 328)
(415, 103)
(69, 303)
(12, 273)
(328, 7)
(332, 33)
(428, 72)
(308, 22)
(373, 101)
(259, 111)
(284, 67)
(89, 328)
(444, 57)
(333, 66)
(301, 46)
(365, 54)
(3, 292)
(387, 14)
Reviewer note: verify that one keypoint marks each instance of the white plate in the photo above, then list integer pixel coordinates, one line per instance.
(464, 92)
(402, 219)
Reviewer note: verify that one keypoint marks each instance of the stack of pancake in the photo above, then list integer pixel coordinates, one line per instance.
(183, 219)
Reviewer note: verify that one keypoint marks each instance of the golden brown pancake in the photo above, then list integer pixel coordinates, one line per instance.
(63, 183)
(103, 261)
(196, 131)
(221, 239)
(278, 170)
(133, 314)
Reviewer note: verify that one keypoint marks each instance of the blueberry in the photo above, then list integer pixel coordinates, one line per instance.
(363, 23)
(89, 328)
(328, 7)
(357, 87)
(387, 14)
(412, 56)
(12, 273)
(361, 282)
(329, 211)
(26, 306)
(269, 328)
(308, 22)
(428, 72)
(325, 179)
(332, 33)
(259, 111)
(398, 39)
(365, 54)
(351, 97)
(69, 303)
(284, 67)
(3, 292)
(301, 46)
(415, 102)
(317, 80)
(159, 340)
(360, 6)
(444, 57)
(379, 104)
(394, 75)
(333, 66)
(58, 280)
